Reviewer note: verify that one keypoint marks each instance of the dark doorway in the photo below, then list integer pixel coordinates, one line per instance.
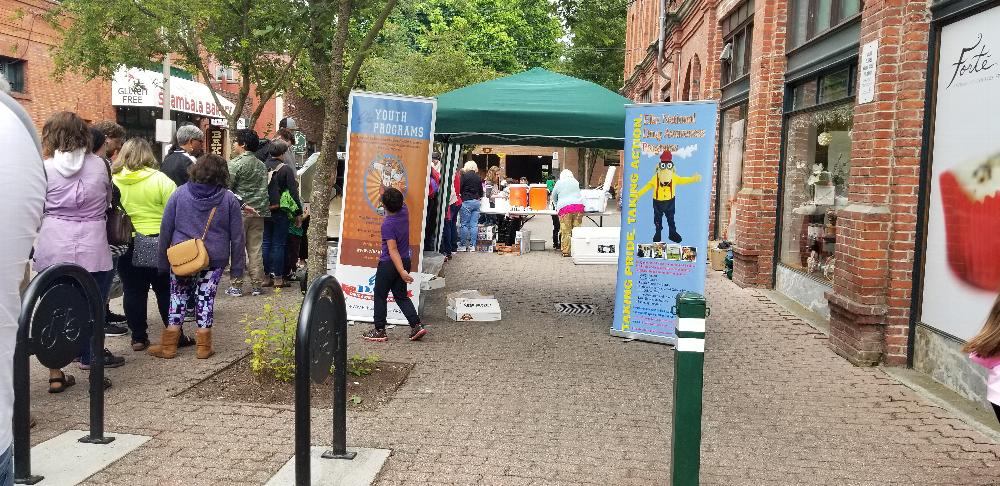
(534, 167)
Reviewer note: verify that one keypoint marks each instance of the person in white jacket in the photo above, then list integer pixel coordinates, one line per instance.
(22, 182)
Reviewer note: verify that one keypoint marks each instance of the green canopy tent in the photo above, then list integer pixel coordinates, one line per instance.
(537, 108)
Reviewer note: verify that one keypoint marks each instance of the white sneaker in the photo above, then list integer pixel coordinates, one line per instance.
(461, 249)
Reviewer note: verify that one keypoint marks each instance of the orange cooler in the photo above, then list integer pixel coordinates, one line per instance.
(519, 195)
(538, 196)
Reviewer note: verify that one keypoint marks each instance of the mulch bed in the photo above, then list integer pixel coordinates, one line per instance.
(236, 383)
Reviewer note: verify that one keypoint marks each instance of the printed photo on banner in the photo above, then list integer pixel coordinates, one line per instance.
(389, 145)
(961, 266)
(666, 199)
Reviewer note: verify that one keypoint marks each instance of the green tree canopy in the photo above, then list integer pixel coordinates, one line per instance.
(597, 38)
(433, 46)
(261, 39)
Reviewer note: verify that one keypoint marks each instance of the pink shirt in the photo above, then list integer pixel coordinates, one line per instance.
(992, 366)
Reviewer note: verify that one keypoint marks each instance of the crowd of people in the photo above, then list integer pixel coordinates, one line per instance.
(240, 213)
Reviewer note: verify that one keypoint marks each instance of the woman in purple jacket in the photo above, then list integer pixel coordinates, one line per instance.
(187, 215)
(74, 225)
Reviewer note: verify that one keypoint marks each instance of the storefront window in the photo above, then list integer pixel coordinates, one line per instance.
(730, 178)
(816, 173)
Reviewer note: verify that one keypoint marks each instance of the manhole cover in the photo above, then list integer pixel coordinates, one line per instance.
(575, 309)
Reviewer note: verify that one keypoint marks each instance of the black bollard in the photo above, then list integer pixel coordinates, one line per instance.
(55, 307)
(322, 322)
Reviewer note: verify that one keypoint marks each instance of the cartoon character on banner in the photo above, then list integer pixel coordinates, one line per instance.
(664, 184)
(385, 171)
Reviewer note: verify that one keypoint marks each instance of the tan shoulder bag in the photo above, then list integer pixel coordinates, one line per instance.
(189, 257)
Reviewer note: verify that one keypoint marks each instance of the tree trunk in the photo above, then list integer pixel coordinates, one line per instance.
(335, 111)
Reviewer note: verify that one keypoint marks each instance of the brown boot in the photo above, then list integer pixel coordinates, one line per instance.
(168, 343)
(279, 283)
(203, 343)
(268, 282)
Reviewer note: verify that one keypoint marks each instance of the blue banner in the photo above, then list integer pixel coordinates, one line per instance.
(666, 197)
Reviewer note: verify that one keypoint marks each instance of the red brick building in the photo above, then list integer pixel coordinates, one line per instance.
(25, 41)
(831, 114)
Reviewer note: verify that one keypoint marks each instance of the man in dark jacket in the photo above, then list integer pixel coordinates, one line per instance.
(281, 178)
(190, 145)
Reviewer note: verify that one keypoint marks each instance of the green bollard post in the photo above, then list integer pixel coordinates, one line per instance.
(689, 367)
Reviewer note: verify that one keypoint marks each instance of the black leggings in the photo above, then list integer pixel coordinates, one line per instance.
(388, 280)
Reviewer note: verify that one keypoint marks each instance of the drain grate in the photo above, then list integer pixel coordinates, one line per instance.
(576, 309)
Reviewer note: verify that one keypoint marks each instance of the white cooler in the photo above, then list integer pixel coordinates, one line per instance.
(595, 246)
(594, 200)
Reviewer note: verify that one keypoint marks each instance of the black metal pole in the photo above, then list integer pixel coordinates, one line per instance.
(303, 447)
(97, 306)
(22, 404)
(339, 446)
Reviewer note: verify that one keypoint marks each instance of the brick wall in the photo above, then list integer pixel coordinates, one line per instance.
(24, 34)
(876, 240)
(756, 203)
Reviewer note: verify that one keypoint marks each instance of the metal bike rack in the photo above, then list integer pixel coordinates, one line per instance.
(56, 306)
(320, 341)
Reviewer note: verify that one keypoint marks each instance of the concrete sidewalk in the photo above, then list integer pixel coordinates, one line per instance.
(541, 398)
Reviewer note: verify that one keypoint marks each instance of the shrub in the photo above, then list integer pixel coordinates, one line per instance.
(271, 336)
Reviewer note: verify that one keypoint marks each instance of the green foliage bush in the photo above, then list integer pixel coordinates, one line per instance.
(271, 336)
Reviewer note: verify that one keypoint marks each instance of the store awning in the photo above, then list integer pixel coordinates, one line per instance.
(140, 87)
(536, 107)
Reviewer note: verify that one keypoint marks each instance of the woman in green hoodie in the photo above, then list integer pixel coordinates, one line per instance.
(145, 191)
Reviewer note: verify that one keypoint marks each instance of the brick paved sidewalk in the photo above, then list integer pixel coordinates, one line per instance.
(541, 398)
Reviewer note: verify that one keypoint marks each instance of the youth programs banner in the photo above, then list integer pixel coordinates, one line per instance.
(666, 193)
(389, 145)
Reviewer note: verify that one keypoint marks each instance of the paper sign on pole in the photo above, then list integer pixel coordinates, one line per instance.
(664, 235)
(389, 145)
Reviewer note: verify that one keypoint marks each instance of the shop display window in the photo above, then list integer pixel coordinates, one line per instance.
(730, 177)
(816, 172)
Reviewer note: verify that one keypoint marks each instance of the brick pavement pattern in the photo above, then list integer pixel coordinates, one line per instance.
(546, 399)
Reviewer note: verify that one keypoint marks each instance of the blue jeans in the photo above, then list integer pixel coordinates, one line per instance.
(104, 287)
(469, 232)
(275, 239)
(7, 467)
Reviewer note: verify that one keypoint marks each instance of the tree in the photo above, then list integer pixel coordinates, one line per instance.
(440, 66)
(597, 34)
(595, 53)
(262, 39)
(335, 78)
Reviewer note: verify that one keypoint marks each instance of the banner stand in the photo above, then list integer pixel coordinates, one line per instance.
(389, 142)
(666, 201)
(650, 338)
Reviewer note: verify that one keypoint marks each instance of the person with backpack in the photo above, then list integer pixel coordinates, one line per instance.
(285, 205)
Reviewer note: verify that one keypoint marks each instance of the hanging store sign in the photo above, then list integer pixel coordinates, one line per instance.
(388, 145)
(663, 247)
(140, 87)
(961, 263)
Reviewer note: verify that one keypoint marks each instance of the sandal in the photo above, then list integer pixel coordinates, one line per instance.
(65, 381)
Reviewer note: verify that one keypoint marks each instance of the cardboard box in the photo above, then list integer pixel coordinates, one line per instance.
(717, 258)
(471, 305)
(430, 282)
